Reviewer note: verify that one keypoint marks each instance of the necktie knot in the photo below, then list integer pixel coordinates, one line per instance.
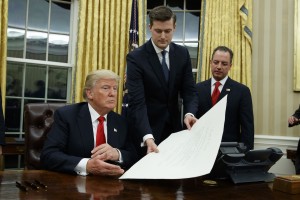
(216, 93)
(217, 84)
(163, 53)
(101, 119)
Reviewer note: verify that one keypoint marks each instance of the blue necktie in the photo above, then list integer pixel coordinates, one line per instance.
(164, 65)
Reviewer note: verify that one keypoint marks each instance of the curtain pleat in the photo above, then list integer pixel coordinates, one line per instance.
(103, 40)
(3, 47)
(227, 23)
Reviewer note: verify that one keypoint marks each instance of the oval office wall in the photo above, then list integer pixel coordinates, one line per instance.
(274, 98)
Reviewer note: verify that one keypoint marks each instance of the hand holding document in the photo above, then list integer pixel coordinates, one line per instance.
(185, 154)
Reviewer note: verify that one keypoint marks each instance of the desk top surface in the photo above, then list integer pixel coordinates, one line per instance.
(65, 186)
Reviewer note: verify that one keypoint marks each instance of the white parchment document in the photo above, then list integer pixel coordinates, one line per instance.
(185, 154)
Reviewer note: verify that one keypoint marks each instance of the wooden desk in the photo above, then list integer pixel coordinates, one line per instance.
(65, 186)
(12, 147)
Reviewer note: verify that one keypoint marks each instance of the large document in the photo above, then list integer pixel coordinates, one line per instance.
(185, 154)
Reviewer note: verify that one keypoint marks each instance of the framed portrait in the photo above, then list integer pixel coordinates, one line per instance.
(297, 47)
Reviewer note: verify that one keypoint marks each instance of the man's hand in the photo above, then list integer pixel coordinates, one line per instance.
(151, 146)
(293, 120)
(106, 152)
(97, 166)
(189, 121)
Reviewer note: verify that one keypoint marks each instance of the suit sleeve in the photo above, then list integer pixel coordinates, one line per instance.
(136, 97)
(54, 156)
(297, 115)
(188, 89)
(247, 121)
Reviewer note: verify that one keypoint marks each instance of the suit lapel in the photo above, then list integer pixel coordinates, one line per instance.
(226, 88)
(172, 60)
(207, 91)
(85, 128)
(112, 130)
(156, 65)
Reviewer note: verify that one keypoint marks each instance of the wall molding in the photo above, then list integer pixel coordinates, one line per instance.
(284, 166)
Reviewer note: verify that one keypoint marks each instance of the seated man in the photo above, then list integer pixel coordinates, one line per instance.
(80, 142)
(295, 120)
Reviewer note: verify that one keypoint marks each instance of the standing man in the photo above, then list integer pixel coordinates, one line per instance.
(158, 74)
(239, 124)
(293, 121)
(86, 137)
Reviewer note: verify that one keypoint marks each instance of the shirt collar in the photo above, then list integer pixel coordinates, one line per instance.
(94, 114)
(223, 81)
(159, 50)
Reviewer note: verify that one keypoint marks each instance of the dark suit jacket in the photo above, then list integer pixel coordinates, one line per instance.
(71, 138)
(297, 115)
(2, 123)
(239, 124)
(297, 164)
(154, 103)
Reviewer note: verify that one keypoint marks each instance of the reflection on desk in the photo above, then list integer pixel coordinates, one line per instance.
(62, 186)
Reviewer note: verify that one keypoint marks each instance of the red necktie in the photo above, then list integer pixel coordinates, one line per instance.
(100, 137)
(216, 93)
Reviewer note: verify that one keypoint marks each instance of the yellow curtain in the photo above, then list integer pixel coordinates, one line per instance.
(103, 39)
(3, 47)
(228, 23)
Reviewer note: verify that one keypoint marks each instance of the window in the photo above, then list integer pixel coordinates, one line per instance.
(187, 24)
(39, 56)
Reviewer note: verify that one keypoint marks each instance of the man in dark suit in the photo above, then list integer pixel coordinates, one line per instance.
(295, 120)
(158, 73)
(2, 126)
(71, 143)
(239, 124)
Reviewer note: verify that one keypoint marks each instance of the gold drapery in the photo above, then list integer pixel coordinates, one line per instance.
(103, 39)
(226, 23)
(3, 47)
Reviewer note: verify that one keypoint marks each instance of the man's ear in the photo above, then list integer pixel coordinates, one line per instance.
(89, 93)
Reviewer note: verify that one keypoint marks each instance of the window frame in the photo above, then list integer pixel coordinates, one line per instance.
(70, 65)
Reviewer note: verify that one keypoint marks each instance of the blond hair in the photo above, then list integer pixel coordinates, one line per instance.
(94, 76)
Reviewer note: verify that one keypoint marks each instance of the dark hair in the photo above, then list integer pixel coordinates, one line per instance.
(161, 13)
(225, 49)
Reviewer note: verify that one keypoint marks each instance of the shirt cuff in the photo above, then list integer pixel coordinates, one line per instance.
(145, 138)
(120, 156)
(80, 169)
(189, 114)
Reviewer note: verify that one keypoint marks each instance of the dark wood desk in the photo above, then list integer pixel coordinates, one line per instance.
(65, 186)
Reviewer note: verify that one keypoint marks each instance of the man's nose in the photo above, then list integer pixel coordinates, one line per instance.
(219, 66)
(112, 92)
